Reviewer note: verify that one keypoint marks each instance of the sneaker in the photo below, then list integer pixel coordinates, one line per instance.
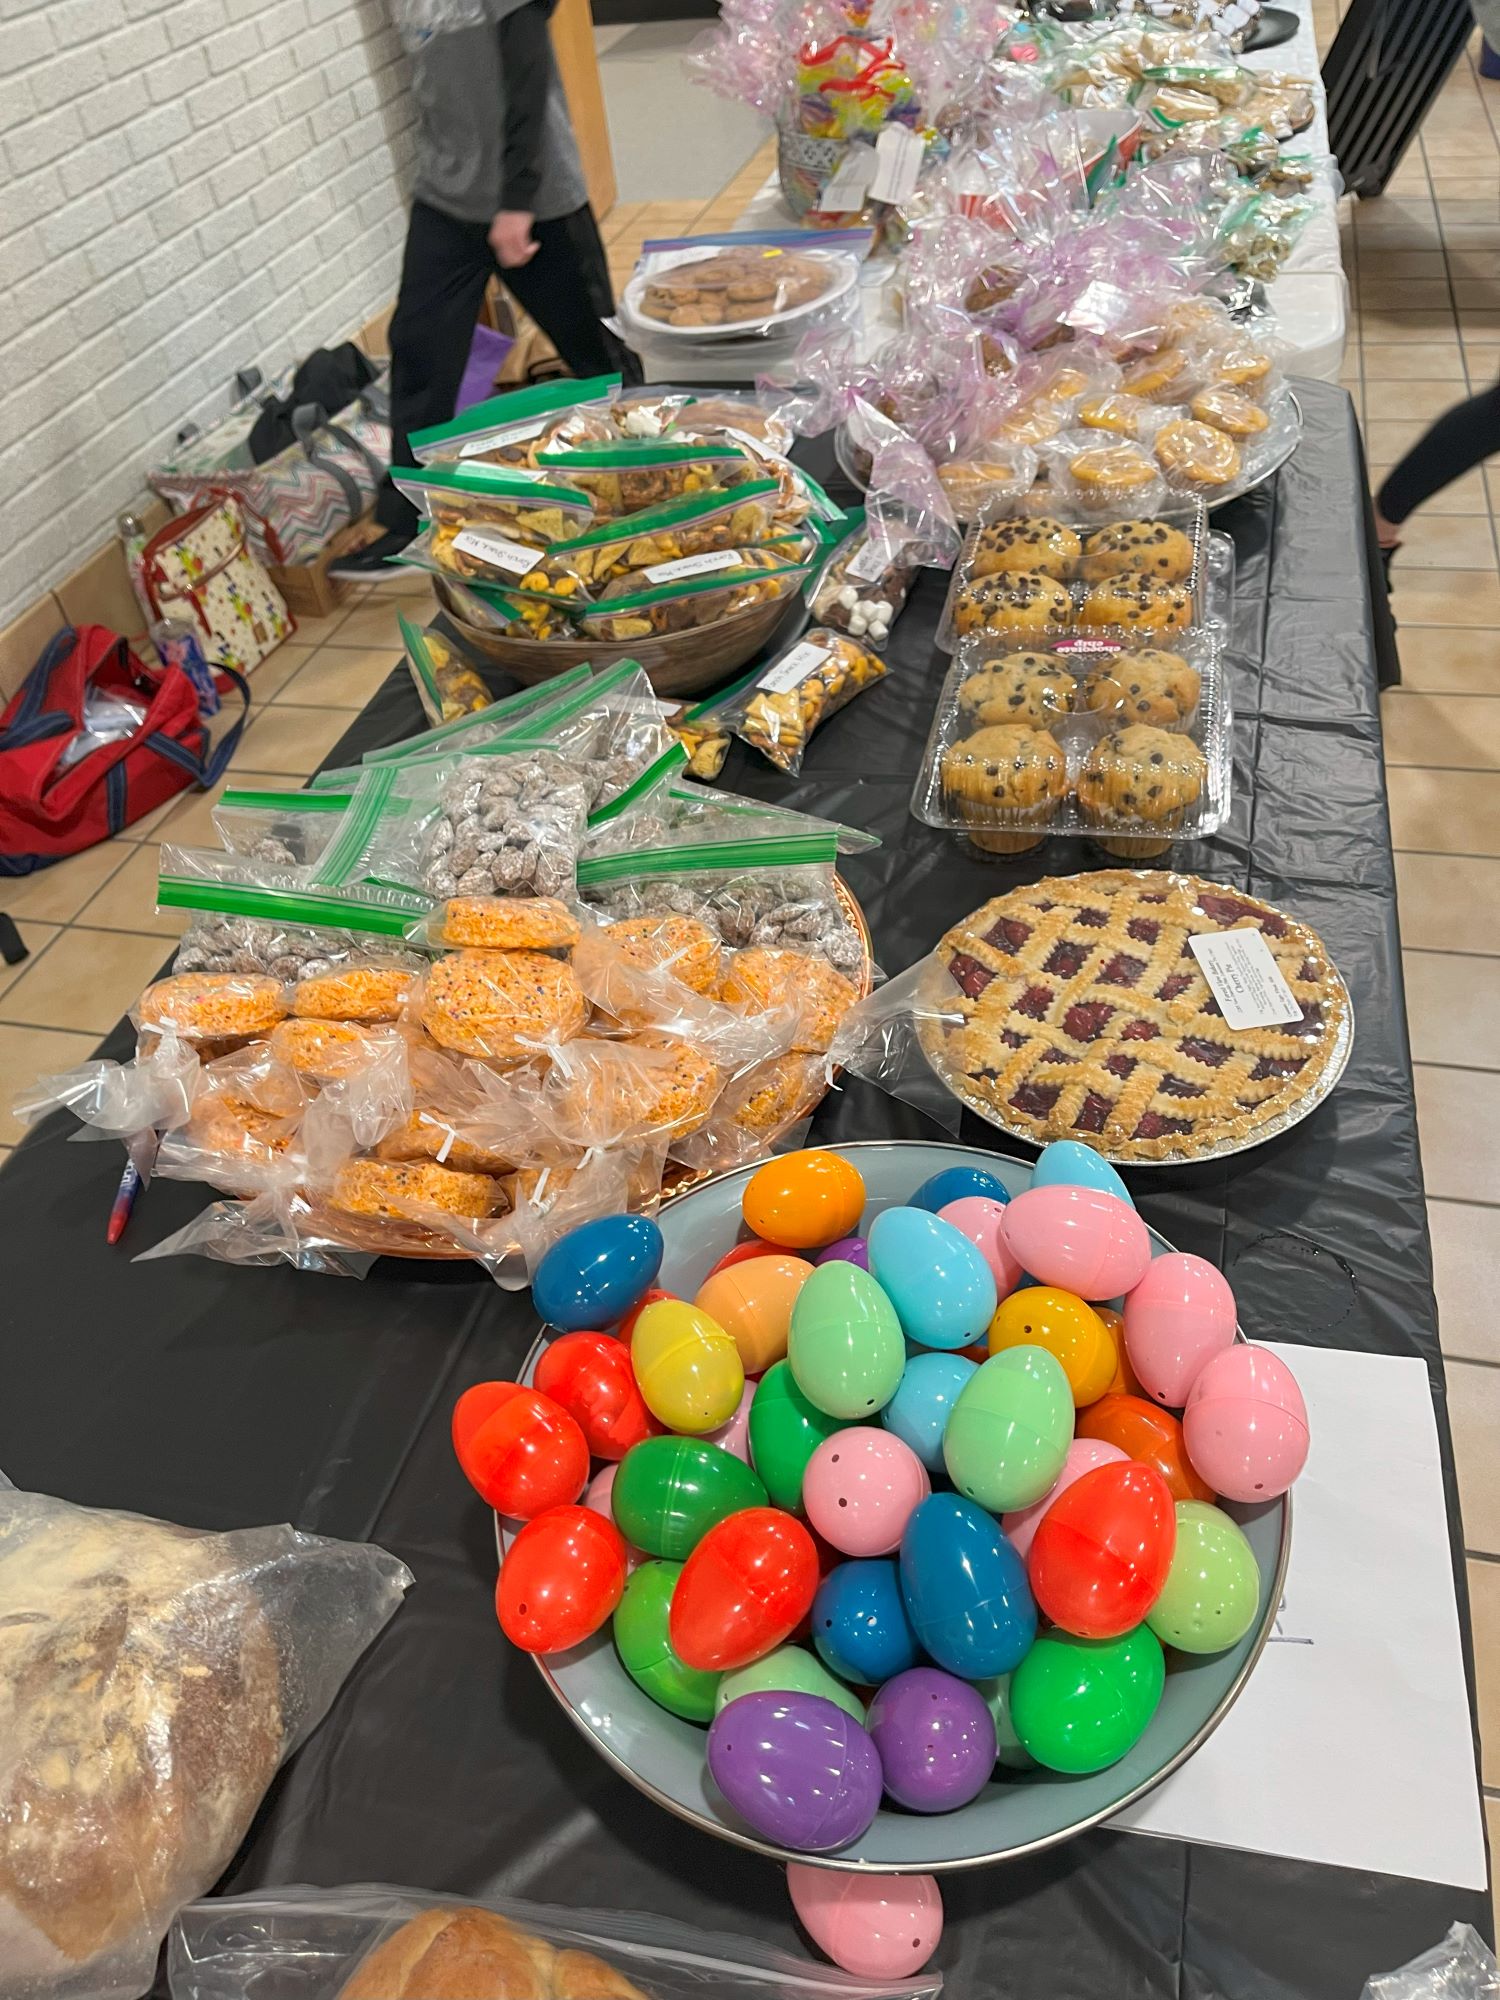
(372, 563)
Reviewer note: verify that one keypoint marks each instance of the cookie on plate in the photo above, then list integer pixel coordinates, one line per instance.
(1151, 548)
(1033, 688)
(1144, 780)
(1146, 686)
(1017, 603)
(1006, 782)
(1038, 545)
(1230, 411)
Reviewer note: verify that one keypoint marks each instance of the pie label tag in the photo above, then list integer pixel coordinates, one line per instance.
(712, 559)
(1245, 979)
(794, 669)
(493, 549)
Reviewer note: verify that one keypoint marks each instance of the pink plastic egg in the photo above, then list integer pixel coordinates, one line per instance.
(1245, 1425)
(1083, 1455)
(860, 1489)
(876, 1926)
(1078, 1238)
(982, 1221)
(1178, 1317)
(735, 1435)
(596, 1497)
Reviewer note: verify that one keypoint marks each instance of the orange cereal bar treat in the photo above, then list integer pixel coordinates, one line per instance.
(679, 1095)
(684, 947)
(508, 923)
(400, 1190)
(236, 1130)
(325, 1049)
(214, 1005)
(501, 1004)
(427, 1135)
(775, 1093)
(773, 979)
(356, 993)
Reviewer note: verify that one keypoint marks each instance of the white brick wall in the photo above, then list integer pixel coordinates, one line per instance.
(193, 186)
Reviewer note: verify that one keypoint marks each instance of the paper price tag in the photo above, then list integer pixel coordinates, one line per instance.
(1245, 980)
(669, 572)
(900, 154)
(845, 193)
(794, 669)
(512, 434)
(868, 566)
(657, 261)
(509, 556)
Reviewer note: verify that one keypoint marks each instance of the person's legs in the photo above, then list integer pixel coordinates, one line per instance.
(566, 290)
(1456, 443)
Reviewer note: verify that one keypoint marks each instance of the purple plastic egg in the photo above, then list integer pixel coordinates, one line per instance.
(848, 1250)
(935, 1738)
(797, 1768)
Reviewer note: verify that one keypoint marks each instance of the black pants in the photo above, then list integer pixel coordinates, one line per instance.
(447, 265)
(1457, 442)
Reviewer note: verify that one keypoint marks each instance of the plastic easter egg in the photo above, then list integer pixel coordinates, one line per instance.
(1079, 1704)
(935, 1739)
(671, 1490)
(1070, 1330)
(941, 1287)
(561, 1578)
(596, 1496)
(846, 1348)
(640, 1634)
(746, 1588)
(860, 1489)
(743, 1253)
(785, 1430)
(735, 1435)
(951, 1184)
(1102, 1551)
(650, 1297)
(753, 1302)
(804, 1200)
(848, 1250)
(1067, 1163)
(965, 1589)
(859, 1622)
(1212, 1592)
(594, 1275)
(876, 1926)
(1010, 1751)
(1245, 1425)
(797, 1768)
(590, 1376)
(1178, 1317)
(1149, 1435)
(687, 1366)
(1078, 1239)
(981, 1220)
(1008, 1436)
(1083, 1455)
(522, 1453)
(789, 1670)
(1122, 1382)
(918, 1412)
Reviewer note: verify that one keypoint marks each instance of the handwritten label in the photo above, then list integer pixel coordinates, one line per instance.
(794, 669)
(499, 554)
(900, 154)
(1245, 980)
(494, 440)
(669, 572)
(845, 191)
(867, 565)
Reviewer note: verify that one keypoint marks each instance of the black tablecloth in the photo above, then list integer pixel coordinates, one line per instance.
(222, 1396)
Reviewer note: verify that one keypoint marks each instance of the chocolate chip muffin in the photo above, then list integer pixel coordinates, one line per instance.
(1135, 603)
(1145, 686)
(1144, 780)
(1151, 548)
(1024, 602)
(1032, 688)
(1040, 546)
(1006, 783)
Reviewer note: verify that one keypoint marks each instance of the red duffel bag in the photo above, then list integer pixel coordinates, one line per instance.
(50, 806)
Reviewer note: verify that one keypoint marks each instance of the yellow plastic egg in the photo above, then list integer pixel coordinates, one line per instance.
(1070, 1330)
(804, 1200)
(687, 1367)
(753, 1302)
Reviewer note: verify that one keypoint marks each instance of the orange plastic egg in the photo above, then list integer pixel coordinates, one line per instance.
(753, 1302)
(804, 1200)
(1148, 1434)
(1071, 1331)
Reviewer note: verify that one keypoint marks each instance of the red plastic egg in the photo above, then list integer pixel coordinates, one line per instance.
(561, 1578)
(744, 1590)
(1101, 1552)
(1148, 1435)
(521, 1453)
(590, 1375)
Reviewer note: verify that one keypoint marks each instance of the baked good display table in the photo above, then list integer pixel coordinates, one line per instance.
(204, 1393)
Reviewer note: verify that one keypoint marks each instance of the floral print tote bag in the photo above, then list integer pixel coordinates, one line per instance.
(200, 569)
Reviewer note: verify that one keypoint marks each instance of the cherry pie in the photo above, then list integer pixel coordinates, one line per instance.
(1072, 1008)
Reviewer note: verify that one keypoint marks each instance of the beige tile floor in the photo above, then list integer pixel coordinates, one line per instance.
(1424, 272)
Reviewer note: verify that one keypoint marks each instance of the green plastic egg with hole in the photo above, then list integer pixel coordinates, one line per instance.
(1212, 1592)
(846, 1346)
(645, 1650)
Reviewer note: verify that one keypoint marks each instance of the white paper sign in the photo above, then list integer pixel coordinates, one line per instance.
(657, 261)
(500, 554)
(1246, 983)
(845, 192)
(794, 669)
(669, 572)
(900, 153)
(867, 566)
(1351, 1742)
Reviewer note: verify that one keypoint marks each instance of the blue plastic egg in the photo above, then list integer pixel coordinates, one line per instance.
(593, 1276)
(965, 1589)
(859, 1622)
(918, 1412)
(1066, 1163)
(953, 1183)
(941, 1287)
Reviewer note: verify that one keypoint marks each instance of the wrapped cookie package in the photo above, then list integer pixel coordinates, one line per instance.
(510, 429)
(709, 287)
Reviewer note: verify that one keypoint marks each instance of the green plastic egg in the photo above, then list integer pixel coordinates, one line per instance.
(1079, 1704)
(1212, 1591)
(1010, 1429)
(846, 1347)
(1011, 1752)
(789, 1670)
(669, 1491)
(785, 1430)
(646, 1651)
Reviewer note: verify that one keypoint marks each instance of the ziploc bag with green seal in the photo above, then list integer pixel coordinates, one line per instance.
(241, 924)
(504, 430)
(742, 580)
(512, 714)
(488, 523)
(447, 686)
(636, 473)
(663, 806)
(284, 829)
(679, 531)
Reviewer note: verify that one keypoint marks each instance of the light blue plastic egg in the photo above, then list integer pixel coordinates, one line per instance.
(941, 1287)
(918, 1412)
(1066, 1163)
